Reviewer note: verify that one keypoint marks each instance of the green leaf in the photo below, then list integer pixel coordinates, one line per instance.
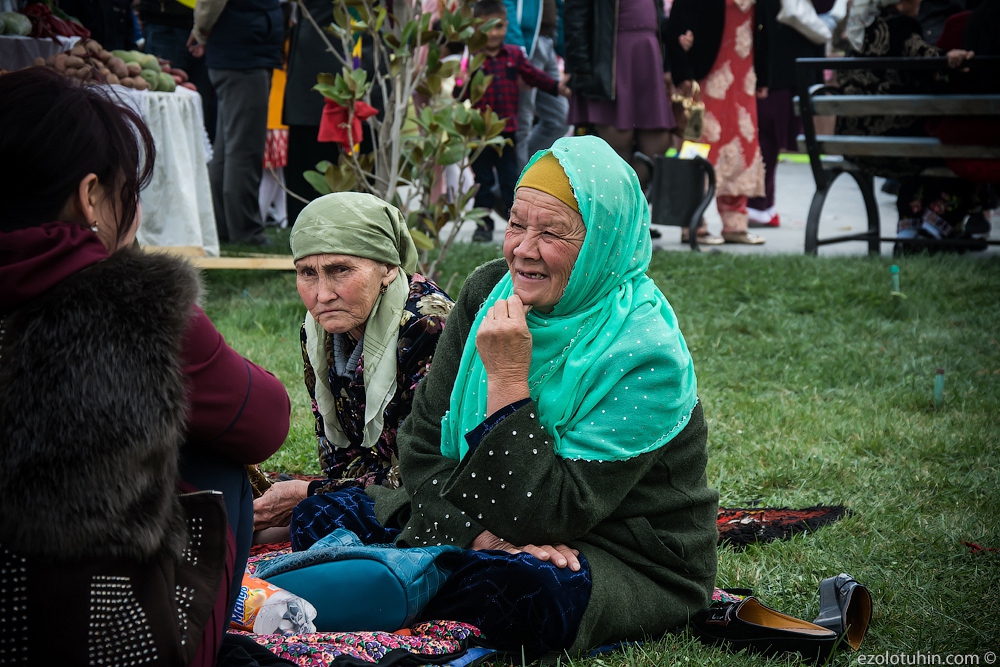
(478, 124)
(433, 57)
(322, 166)
(452, 151)
(326, 78)
(448, 69)
(395, 66)
(317, 181)
(409, 31)
(495, 128)
(433, 82)
(341, 18)
(478, 41)
(421, 240)
(380, 19)
(391, 40)
(477, 62)
(333, 178)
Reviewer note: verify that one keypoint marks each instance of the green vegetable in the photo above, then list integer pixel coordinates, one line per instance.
(150, 62)
(15, 24)
(151, 77)
(126, 56)
(166, 83)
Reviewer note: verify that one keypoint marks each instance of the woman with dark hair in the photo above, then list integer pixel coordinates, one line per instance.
(116, 393)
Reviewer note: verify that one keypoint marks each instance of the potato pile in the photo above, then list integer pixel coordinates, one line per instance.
(89, 61)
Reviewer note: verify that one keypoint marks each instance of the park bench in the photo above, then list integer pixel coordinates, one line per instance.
(830, 155)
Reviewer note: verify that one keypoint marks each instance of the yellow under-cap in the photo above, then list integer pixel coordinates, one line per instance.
(548, 176)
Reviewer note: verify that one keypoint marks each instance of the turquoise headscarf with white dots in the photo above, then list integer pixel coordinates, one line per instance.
(610, 371)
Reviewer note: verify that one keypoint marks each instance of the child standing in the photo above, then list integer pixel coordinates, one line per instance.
(505, 63)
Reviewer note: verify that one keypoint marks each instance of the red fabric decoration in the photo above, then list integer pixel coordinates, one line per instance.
(333, 124)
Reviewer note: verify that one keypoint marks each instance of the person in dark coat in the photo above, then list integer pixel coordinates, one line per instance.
(166, 26)
(777, 46)
(241, 41)
(115, 388)
(616, 66)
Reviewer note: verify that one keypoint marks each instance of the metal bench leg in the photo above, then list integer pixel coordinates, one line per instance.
(867, 184)
(815, 211)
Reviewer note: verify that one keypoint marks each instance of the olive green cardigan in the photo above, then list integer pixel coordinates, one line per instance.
(645, 525)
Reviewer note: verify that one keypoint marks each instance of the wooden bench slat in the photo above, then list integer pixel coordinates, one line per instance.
(898, 147)
(906, 105)
(196, 256)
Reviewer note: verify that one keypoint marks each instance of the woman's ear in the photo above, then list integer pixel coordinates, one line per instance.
(81, 205)
(390, 274)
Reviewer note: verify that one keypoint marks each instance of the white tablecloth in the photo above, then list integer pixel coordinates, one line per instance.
(17, 52)
(177, 205)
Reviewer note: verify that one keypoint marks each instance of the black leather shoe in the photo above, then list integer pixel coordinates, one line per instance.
(750, 625)
(845, 606)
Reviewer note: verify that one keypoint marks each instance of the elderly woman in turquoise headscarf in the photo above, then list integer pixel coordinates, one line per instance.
(367, 340)
(558, 438)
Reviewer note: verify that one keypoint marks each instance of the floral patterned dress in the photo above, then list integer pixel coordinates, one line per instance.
(730, 95)
(423, 319)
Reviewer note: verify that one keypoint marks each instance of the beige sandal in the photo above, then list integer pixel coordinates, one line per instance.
(704, 237)
(744, 238)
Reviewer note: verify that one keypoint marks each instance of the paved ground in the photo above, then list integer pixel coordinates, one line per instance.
(844, 212)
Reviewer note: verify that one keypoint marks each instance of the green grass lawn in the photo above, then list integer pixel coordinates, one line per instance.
(817, 385)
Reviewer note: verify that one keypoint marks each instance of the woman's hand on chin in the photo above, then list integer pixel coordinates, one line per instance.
(560, 555)
(504, 345)
(274, 508)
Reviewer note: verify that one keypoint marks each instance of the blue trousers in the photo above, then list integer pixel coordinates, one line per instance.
(210, 471)
(516, 600)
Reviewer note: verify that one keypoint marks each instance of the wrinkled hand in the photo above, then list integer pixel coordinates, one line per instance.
(197, 50)
(559, 555)
(686, 40)
(762, 93)
(274, 508)
(504, 341)
(958, 56)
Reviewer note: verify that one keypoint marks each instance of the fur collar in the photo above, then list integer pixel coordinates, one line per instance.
(92, 411)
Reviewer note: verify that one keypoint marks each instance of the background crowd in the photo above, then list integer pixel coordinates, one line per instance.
(600, 67)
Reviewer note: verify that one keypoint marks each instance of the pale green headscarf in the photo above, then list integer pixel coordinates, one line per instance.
(610, 371)
(362, 225)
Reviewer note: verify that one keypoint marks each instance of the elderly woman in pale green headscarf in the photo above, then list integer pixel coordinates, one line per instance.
(368, 338)
(558, 439)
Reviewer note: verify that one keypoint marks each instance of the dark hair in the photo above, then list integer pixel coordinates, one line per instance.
(489, 8)
(55, 131)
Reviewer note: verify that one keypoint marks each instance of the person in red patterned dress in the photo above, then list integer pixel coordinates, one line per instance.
(721, 58)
